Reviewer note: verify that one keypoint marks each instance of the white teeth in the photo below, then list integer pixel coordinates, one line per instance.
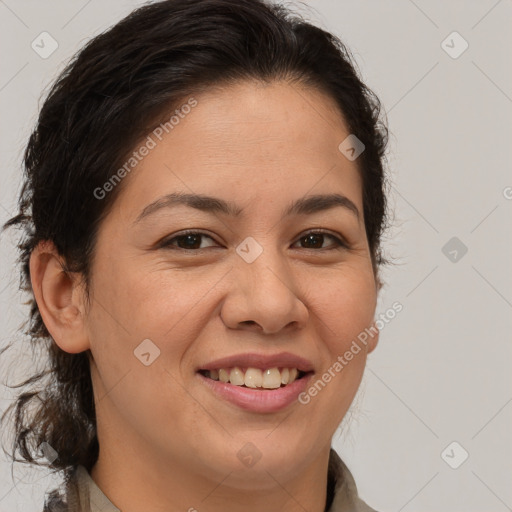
(271, 378)
(253, 378)
(236, 376)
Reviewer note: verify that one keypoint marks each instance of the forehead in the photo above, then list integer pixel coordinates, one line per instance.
(274, 140)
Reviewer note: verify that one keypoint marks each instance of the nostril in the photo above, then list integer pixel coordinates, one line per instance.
(248, 322)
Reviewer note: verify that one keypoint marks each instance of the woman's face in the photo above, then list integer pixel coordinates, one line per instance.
(252, 287)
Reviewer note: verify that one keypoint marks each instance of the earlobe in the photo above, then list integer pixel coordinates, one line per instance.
(59, 298)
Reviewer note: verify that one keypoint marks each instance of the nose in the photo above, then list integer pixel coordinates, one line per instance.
(264, 296)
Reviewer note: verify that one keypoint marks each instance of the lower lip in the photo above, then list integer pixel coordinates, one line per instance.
(258, 400)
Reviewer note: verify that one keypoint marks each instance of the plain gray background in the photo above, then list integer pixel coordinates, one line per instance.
(441, 372)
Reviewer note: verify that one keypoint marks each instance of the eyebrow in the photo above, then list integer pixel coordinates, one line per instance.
(306, 205)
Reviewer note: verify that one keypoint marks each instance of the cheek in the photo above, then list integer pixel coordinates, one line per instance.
(165, 305)
(144, 297)
(346, 305)
(132, 305)
(170, 305)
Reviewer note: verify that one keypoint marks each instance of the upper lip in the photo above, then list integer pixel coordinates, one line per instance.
(262, 361)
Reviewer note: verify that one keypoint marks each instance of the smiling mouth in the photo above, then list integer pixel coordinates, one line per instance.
(255, 378)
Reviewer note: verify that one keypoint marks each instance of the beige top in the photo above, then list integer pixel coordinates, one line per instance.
(86, 496)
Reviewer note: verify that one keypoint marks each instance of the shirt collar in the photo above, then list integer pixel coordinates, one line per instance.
(346, 498)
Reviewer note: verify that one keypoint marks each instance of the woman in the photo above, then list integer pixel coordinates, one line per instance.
(203, 207)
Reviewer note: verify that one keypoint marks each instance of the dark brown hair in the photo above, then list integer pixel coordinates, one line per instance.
(108, 97)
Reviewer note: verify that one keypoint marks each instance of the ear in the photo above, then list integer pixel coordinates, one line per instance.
(60, 298)
(373, 339)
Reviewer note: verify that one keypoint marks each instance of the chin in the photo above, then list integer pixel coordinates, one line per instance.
(259, 463)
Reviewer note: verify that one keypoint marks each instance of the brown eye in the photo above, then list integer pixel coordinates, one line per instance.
(192, 241)
(187, 241)
(316, 239)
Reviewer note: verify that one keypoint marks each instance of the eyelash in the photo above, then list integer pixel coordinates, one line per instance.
(339, 242)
